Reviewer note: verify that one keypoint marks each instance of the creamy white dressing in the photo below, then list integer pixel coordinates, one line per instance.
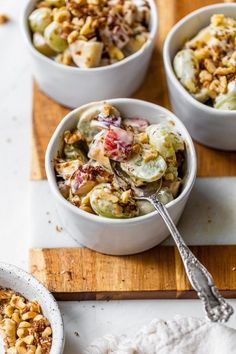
(232, 86)
(228, 100)
(186, 68)
(2, 349)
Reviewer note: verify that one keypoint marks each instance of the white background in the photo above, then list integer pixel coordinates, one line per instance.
(89, 319)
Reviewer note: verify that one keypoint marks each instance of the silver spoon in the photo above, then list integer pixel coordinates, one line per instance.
(216, 307)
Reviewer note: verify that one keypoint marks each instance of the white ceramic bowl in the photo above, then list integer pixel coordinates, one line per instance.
(209, 126)
(72, 86)
(119, 236)
(24, 283)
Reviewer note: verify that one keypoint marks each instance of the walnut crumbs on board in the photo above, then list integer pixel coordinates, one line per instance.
(206, 66)
(4, 19)
(22, 325)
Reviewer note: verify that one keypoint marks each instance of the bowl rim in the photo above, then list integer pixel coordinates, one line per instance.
(168, 61)
(144, 48)
(97, 218)
(10, 269)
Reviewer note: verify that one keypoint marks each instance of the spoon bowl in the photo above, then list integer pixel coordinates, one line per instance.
(125, 182)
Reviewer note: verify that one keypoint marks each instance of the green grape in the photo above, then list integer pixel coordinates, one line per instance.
(41, 45)
(186, 67)
(164, 195)
(86, 129)
(105, 201)
(73, 152)
(86, 117)
(148, 171)
(39, 19)
(227, 101)
(145, 207)
(53, 37)
(202, 95)
(164, 139)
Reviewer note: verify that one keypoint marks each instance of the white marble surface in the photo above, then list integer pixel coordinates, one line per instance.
(89, 319)
(208, 217)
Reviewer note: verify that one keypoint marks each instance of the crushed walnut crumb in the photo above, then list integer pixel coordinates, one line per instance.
(4, 19)
(59, 228)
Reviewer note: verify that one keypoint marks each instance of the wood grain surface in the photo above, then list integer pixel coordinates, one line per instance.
(81, 274)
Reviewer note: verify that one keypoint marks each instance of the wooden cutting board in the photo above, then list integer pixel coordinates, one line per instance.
(78, 273)
(82, 274)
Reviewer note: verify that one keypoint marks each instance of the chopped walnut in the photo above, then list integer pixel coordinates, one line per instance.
(150, 155)
(71, 138)
(22, 325)
(125, 196)
(210, 66)
(205, 76)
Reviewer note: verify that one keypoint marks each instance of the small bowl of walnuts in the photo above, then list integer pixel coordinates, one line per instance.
(30, 320)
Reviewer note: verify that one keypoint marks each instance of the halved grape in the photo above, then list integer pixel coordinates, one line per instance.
(164, 195)
(163, 138)
(73, 152)
(41, 45)
(148, 171)
(53, 37)
(39, 19)
(227, 101)
(88, 115)
(106, 201)
(186, 67)
(202, 95)
(145, 207)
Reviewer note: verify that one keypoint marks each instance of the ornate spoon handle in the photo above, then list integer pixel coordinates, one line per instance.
(217, 309)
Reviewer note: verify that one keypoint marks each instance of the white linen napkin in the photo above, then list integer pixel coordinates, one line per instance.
(178, 336)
